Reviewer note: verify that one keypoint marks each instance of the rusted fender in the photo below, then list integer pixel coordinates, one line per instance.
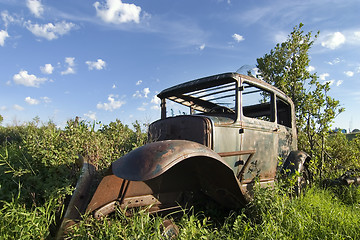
(153, 159)
(295, 162)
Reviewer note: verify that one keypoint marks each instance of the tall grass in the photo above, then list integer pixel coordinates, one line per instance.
(37, 174)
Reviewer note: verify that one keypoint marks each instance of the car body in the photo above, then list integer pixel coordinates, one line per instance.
(218, 136)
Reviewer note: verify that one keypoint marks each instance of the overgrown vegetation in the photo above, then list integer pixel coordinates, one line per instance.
(38, 173)
(286, 68)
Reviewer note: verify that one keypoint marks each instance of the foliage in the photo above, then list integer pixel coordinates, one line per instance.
(286, 68)
(342, 154)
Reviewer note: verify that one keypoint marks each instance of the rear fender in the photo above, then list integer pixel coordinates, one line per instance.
(295, 162)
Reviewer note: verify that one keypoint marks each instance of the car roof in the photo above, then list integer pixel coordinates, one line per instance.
(219, 79)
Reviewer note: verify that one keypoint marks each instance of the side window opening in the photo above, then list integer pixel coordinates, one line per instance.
(257, 103)
(283, 112)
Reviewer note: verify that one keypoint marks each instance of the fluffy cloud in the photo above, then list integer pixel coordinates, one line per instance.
(238, 37)
(349, 73)
(50, 31)
(311, 69)
(111, 105)
(115, 11)
(35, 7)
(46, 99)
(333, 40)
(335, 61)
(324, 76)
(156, 101)
(202, 47)
(98, 65)
(7, 18)
(29, 80)
(139, 82)
(70, 62)
(339, 82)
(144, 93)
(3, 35)
(91, 115)
(47, 69)
(31, 101)
(18, 107)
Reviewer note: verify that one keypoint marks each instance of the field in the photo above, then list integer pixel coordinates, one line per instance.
(38, 173)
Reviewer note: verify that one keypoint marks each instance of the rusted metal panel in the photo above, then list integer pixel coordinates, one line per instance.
(192, 128)
(80, 198)
(153, 159)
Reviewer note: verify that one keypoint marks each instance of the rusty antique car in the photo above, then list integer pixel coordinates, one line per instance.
(217, 135)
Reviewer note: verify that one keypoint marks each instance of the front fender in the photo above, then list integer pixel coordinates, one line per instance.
(153, 159)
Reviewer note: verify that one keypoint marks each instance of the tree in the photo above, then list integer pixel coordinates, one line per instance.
(1, 119)
(286, 68)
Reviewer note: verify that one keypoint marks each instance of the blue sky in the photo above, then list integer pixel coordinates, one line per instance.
(107, 59)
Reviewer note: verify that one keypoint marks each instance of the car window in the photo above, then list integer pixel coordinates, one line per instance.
(256, 102)
(219, 99)
(283, 112)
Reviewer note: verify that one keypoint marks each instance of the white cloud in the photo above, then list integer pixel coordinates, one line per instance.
(3, 35)
(70, 62)
(29, 80)
(35, 7)
(311, 69)
(324, 76)
(333, 40)
(335, 61)
(98, 65)
(358, 69)
(111, 105)
(139, 82)
(146, 91)
(18, 107)
(31, 101)
(113, 86)
(141, 109)
(202, 47)
(155, 100)
(50, 31)
(46, 99)
(238, 37)
(349, 73)
(47, 69)
(7, 18)
(280, 37)
(3, 108)
(117, 12)
(155, 107)
(91, 115)
(339, 82)
(137, 94)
